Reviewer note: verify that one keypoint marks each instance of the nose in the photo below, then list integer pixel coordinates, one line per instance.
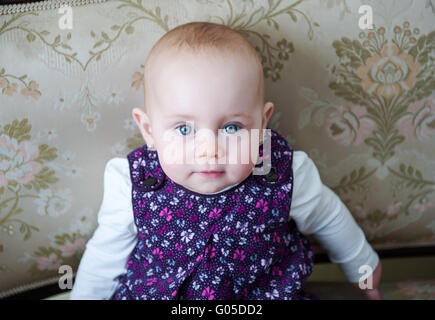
(207, 149)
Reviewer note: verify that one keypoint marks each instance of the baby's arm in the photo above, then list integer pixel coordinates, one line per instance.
(114, 239)
(317, 210)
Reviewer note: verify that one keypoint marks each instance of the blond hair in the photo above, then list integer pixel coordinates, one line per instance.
(199, 37)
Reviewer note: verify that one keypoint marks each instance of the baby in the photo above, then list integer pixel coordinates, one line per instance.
(188, 215)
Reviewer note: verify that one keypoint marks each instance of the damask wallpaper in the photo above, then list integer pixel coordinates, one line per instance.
(359, 102)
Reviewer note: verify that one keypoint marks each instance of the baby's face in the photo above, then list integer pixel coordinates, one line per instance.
(198, 106)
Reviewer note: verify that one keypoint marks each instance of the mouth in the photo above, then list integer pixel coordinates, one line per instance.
(210, 174)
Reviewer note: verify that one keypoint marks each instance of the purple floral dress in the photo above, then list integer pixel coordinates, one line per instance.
(236, 244)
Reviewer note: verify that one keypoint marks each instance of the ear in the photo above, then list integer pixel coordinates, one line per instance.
(144, 124)
(267, 113)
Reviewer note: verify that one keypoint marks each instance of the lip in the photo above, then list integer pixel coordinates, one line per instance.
(211, 174)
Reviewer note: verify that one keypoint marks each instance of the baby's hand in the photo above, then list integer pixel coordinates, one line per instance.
(373, 294)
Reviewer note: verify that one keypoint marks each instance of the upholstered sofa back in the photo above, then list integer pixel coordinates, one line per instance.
(359, 102)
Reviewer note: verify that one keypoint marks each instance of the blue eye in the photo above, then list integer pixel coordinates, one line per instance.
(233, 128)
(184, 130)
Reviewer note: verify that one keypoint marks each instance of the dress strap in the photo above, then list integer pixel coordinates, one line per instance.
(275, 157)
(145, 170)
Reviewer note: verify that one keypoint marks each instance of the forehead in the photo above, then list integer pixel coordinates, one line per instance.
(191, 82)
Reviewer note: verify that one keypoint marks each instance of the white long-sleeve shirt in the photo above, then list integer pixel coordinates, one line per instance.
(315, 208)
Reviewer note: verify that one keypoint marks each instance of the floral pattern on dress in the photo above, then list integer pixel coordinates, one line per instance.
(236, 244)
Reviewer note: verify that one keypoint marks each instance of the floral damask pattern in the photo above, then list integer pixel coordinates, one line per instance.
(22, 167)
(387, 84)
(9, 87)
(26, 174)
(385, 78)
(360, 102)
(64, 248)
(419, 123)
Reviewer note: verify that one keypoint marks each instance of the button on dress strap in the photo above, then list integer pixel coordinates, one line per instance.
(149, 181)
(272, 176)
(145, 170)
(277, 164)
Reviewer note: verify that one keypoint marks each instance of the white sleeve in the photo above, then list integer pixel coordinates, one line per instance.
(114, 239)
(317, 210)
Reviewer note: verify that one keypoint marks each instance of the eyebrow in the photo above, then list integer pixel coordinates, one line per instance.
(243, 115)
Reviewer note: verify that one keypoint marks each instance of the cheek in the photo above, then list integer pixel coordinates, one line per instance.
(171, 153)
(171, 170)
(248, 153)
(237, 173)
(243, 165)
(242, 152)
(177, 173)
